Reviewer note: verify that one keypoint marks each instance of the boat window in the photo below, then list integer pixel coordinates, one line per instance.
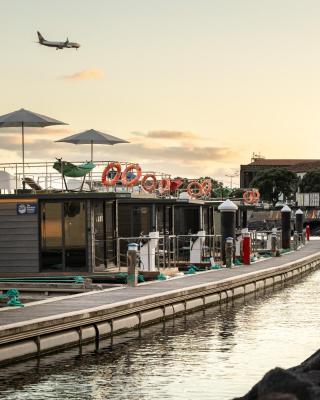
(110, 239)
(186, 220)
(75, 235)
(51, 237)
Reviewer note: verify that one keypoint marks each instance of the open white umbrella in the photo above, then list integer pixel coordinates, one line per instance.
(25, 118)
(92, 137)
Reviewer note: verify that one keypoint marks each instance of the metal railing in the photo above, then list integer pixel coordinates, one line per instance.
(167, 251)
(49, 179)
(205, 247)
(147, 260)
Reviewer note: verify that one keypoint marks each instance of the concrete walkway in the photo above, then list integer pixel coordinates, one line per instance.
(51, 309)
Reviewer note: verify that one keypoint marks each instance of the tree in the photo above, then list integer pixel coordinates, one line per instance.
(273, 182)
(310, 183)
(237, 193)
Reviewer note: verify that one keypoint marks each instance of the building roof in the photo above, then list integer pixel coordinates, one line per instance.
(282, 162)
(306, 166)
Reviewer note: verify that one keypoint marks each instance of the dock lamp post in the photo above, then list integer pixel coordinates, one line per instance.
(299, 224)
(286, 227)
(228, 224)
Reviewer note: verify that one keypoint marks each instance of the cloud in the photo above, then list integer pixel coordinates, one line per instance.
(169, 135)
(189, 154)
(132, 152)
(185, 160)
(85, 75)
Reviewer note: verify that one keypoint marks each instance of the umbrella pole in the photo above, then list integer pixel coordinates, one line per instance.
(91, 183)
(23, 182)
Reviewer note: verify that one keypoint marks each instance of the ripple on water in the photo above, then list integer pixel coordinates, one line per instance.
(211, 355)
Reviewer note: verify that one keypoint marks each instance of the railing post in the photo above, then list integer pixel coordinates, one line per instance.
(132, 265)
(295, 240)
(308, 232)
(274, 242)
(246, 247)
(229, 252)
(118, 254)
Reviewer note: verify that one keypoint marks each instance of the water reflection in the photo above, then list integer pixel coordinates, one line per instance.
(213, 354)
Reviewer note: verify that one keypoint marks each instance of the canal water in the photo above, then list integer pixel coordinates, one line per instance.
(217, 354)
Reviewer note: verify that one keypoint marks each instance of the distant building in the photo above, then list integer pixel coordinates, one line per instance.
(258, 163)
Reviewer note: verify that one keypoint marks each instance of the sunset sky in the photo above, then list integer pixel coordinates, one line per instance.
(196, 86)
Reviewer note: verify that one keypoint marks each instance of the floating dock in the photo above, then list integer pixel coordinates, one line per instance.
(53, 324)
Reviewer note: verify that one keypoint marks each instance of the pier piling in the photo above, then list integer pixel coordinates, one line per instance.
(132, 279)
(286, 227)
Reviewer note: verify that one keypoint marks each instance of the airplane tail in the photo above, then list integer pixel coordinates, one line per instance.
(41, 38)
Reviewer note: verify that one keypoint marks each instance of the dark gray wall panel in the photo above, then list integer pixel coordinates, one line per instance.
(19, 242)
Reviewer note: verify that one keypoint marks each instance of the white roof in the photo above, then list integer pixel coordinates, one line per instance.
(227, 205)
(299, 212)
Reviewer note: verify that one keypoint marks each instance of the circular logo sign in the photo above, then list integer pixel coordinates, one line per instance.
(22, 209)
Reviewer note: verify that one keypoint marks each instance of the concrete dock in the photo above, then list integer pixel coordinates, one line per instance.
(53, 324)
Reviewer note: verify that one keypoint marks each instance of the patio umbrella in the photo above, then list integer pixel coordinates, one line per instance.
(25, 118)
(92, 137)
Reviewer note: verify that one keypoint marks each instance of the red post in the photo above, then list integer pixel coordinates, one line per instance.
(308, 232)
(246, 248)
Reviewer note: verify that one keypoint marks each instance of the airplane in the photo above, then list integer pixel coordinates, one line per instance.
(57, 45)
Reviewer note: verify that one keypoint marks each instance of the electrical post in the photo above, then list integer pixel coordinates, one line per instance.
(228, 224)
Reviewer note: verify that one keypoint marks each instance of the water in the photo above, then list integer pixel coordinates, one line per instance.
(216, 354)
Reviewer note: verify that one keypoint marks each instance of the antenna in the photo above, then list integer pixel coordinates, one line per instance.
(256, 156)
(232, 175)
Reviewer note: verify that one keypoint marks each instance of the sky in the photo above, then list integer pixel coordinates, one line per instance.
(196, 86)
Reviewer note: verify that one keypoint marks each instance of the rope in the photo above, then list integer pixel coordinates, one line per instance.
(13, 298)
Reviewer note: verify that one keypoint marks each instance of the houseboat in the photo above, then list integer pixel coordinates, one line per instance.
(46, 229)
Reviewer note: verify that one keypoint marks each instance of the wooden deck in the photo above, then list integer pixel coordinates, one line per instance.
(81, 303)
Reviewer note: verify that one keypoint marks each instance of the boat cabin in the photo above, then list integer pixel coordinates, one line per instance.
(88, 232)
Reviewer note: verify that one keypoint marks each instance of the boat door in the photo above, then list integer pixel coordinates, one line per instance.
(63, 236)
(104, 234)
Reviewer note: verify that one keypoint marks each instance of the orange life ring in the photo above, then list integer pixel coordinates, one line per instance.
(164, 185)
(247, 197)
(255, 196)
(149, 188)
(206, 187)
(251, 196)
(111, 182)
(194, 185)
(133, 181)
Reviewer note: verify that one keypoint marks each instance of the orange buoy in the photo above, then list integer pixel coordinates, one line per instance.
(194, 189)
(255, 196)
(150, 188)
(206, 187)
(133, 181)
(251, 196)
(164, 185)
(111, 182)
(247, 197)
